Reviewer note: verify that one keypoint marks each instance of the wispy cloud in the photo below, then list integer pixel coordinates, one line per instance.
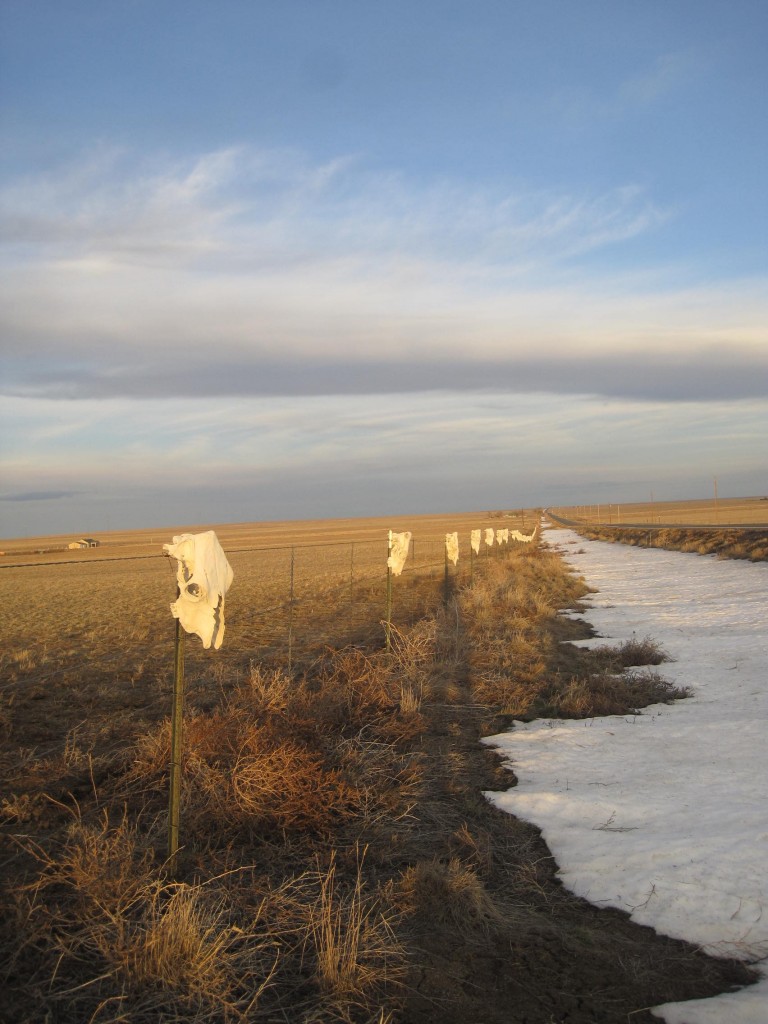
(634, 92)
(251, 458)
(244, 272)
(25, 496)
(245, 208)
(668, 73)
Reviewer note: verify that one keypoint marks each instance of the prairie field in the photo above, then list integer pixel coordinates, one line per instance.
(338, 859)
(250, 536)
(730, 528)
(752, 511)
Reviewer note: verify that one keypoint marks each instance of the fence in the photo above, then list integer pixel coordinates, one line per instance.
(301, 599)
(93, 636)
(111, 636)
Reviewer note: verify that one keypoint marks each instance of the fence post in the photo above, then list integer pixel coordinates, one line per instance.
(352, 573)
(290, 616)
(174, 799)
(389, 592)
(447, 584)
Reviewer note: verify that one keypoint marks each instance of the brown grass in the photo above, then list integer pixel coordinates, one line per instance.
(733, 543)
(451, 894)
(603, 693)
(635, 651)
(353, 940)
(277, 769)
(332, 816)
(512, 655)
(505, 614)
(690, 513)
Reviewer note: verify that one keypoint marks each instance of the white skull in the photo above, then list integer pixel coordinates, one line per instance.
(204, 576)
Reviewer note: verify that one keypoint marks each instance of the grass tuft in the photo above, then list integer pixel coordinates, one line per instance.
(451, 894)
(352, 937)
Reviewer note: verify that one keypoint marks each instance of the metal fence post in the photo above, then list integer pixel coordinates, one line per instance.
(290, 615)
(389, 594)
(174, 799)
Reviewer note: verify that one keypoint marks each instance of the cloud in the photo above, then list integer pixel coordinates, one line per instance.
(666, 78)
(244, 207)
(712, 374)
(103, 204)
(175, 440)
(144, 462)
(670, 72)
(26, 496)
(242, 272)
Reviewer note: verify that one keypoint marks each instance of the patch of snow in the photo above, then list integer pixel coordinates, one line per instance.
(664, 814)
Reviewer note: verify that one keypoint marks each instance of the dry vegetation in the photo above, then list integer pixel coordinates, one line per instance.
(732, 543)
(696, 513)
(340, 862)
(729, 528)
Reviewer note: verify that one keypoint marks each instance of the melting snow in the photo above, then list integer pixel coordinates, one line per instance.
(665, 814)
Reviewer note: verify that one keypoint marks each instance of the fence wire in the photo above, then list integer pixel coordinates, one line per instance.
(108, 621)
(303, 599)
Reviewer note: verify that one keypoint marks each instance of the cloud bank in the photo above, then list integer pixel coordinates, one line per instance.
(243, 335)
(241, 272)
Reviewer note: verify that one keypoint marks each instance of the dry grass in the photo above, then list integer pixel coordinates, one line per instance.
(115, 941)
(274, 913)
(635, 651)
(505, 614)
(723, 512)
(512, 654)
(109, 937)
(751, 545)
(604, 693)
(277, 767)
(451, 895)
(104, 938)
(353, 939)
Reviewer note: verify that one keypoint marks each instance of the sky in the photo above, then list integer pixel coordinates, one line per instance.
(686, 859)
(318, 258)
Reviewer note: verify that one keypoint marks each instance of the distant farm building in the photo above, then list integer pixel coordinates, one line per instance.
(84, 542)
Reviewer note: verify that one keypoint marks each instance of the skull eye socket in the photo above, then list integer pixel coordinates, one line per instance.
(193, 590)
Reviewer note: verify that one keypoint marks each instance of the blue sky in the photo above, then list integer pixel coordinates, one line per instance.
(321, 258)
